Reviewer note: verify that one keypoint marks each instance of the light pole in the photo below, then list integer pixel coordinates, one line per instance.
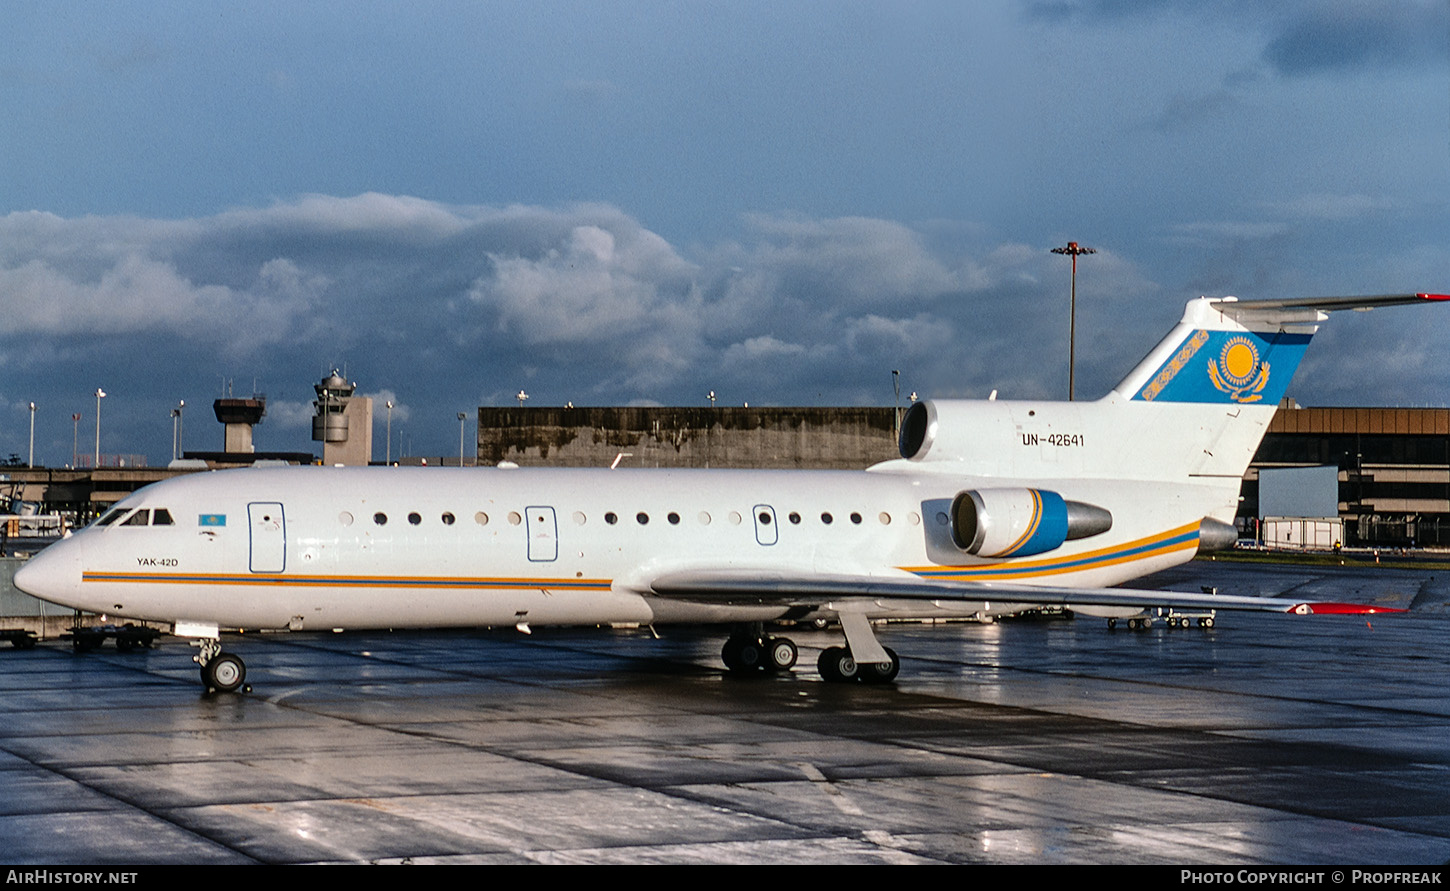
(75, 439)
(1074, 251)
(521, 397)
(462, 418)
(175, 421)
(100, 394)
(31, 462)
(389, 461)
(896, 414)
(180, 427)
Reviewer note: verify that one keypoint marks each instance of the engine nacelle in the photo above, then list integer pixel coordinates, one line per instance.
(947, 429)
(1021, 522)
(996, 437)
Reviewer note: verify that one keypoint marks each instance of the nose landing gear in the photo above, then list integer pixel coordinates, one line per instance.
(221, 672)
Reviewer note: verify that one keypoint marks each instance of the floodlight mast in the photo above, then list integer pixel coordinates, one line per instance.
(1073, 250)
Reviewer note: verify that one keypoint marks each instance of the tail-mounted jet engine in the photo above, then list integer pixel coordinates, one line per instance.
(1021, 522)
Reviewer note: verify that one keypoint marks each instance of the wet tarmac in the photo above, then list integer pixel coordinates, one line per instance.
(1265, 740)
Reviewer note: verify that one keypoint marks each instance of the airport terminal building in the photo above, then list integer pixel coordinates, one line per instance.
(1384, 473)
(1390, 474)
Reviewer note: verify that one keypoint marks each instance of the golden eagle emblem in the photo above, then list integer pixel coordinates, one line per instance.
(1238, 370)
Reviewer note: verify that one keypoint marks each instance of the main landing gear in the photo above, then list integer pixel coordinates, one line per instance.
(220, 672)
(838, 666)
(751, 651)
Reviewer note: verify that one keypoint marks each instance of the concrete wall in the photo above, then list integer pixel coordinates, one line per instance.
(20, 610)
(822, 438)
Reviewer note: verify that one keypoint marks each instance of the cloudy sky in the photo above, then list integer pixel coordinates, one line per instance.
(640, 202)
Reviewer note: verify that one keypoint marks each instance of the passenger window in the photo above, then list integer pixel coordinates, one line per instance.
(826, 518)
(140, 518)
(642, 518)
(447, 518)
(161, 517)
(610, 518)
(674, 518)
(795, 518)
(380, 518)
(856, 518)
(414, 519)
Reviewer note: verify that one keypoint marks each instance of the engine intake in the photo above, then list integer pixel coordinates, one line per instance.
(1021, 522)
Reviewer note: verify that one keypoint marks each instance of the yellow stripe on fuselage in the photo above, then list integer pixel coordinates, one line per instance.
(345, 581)
(1174, 540)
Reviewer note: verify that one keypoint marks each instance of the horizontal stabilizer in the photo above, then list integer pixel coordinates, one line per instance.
(1233, 305)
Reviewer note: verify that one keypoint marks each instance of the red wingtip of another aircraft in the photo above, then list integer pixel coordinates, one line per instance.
(1331, 608)
(1433, 296)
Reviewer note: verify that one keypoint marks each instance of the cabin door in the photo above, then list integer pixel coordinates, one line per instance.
(765, 531)
(543, 534)
(268, 530)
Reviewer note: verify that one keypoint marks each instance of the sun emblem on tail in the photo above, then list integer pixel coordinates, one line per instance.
(1238, 370)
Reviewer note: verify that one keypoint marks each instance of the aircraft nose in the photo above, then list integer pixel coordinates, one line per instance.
(50, 575)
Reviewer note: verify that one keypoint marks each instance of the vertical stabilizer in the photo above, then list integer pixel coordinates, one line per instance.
(1216, 356)
(1232, 351)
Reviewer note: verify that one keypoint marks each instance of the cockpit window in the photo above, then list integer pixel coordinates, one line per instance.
(161, 517)
(111, 516)
(141, 517)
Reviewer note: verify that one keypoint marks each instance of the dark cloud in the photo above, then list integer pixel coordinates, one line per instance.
(1300, 37)
(1391, 34)
(446, 307)
(442, 308)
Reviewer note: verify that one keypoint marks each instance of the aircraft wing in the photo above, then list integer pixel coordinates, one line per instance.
(744, 587)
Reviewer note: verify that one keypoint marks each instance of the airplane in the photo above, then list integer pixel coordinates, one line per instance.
(994, 507)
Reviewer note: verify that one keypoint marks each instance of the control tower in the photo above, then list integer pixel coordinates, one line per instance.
(342, 422)
(239, 416)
